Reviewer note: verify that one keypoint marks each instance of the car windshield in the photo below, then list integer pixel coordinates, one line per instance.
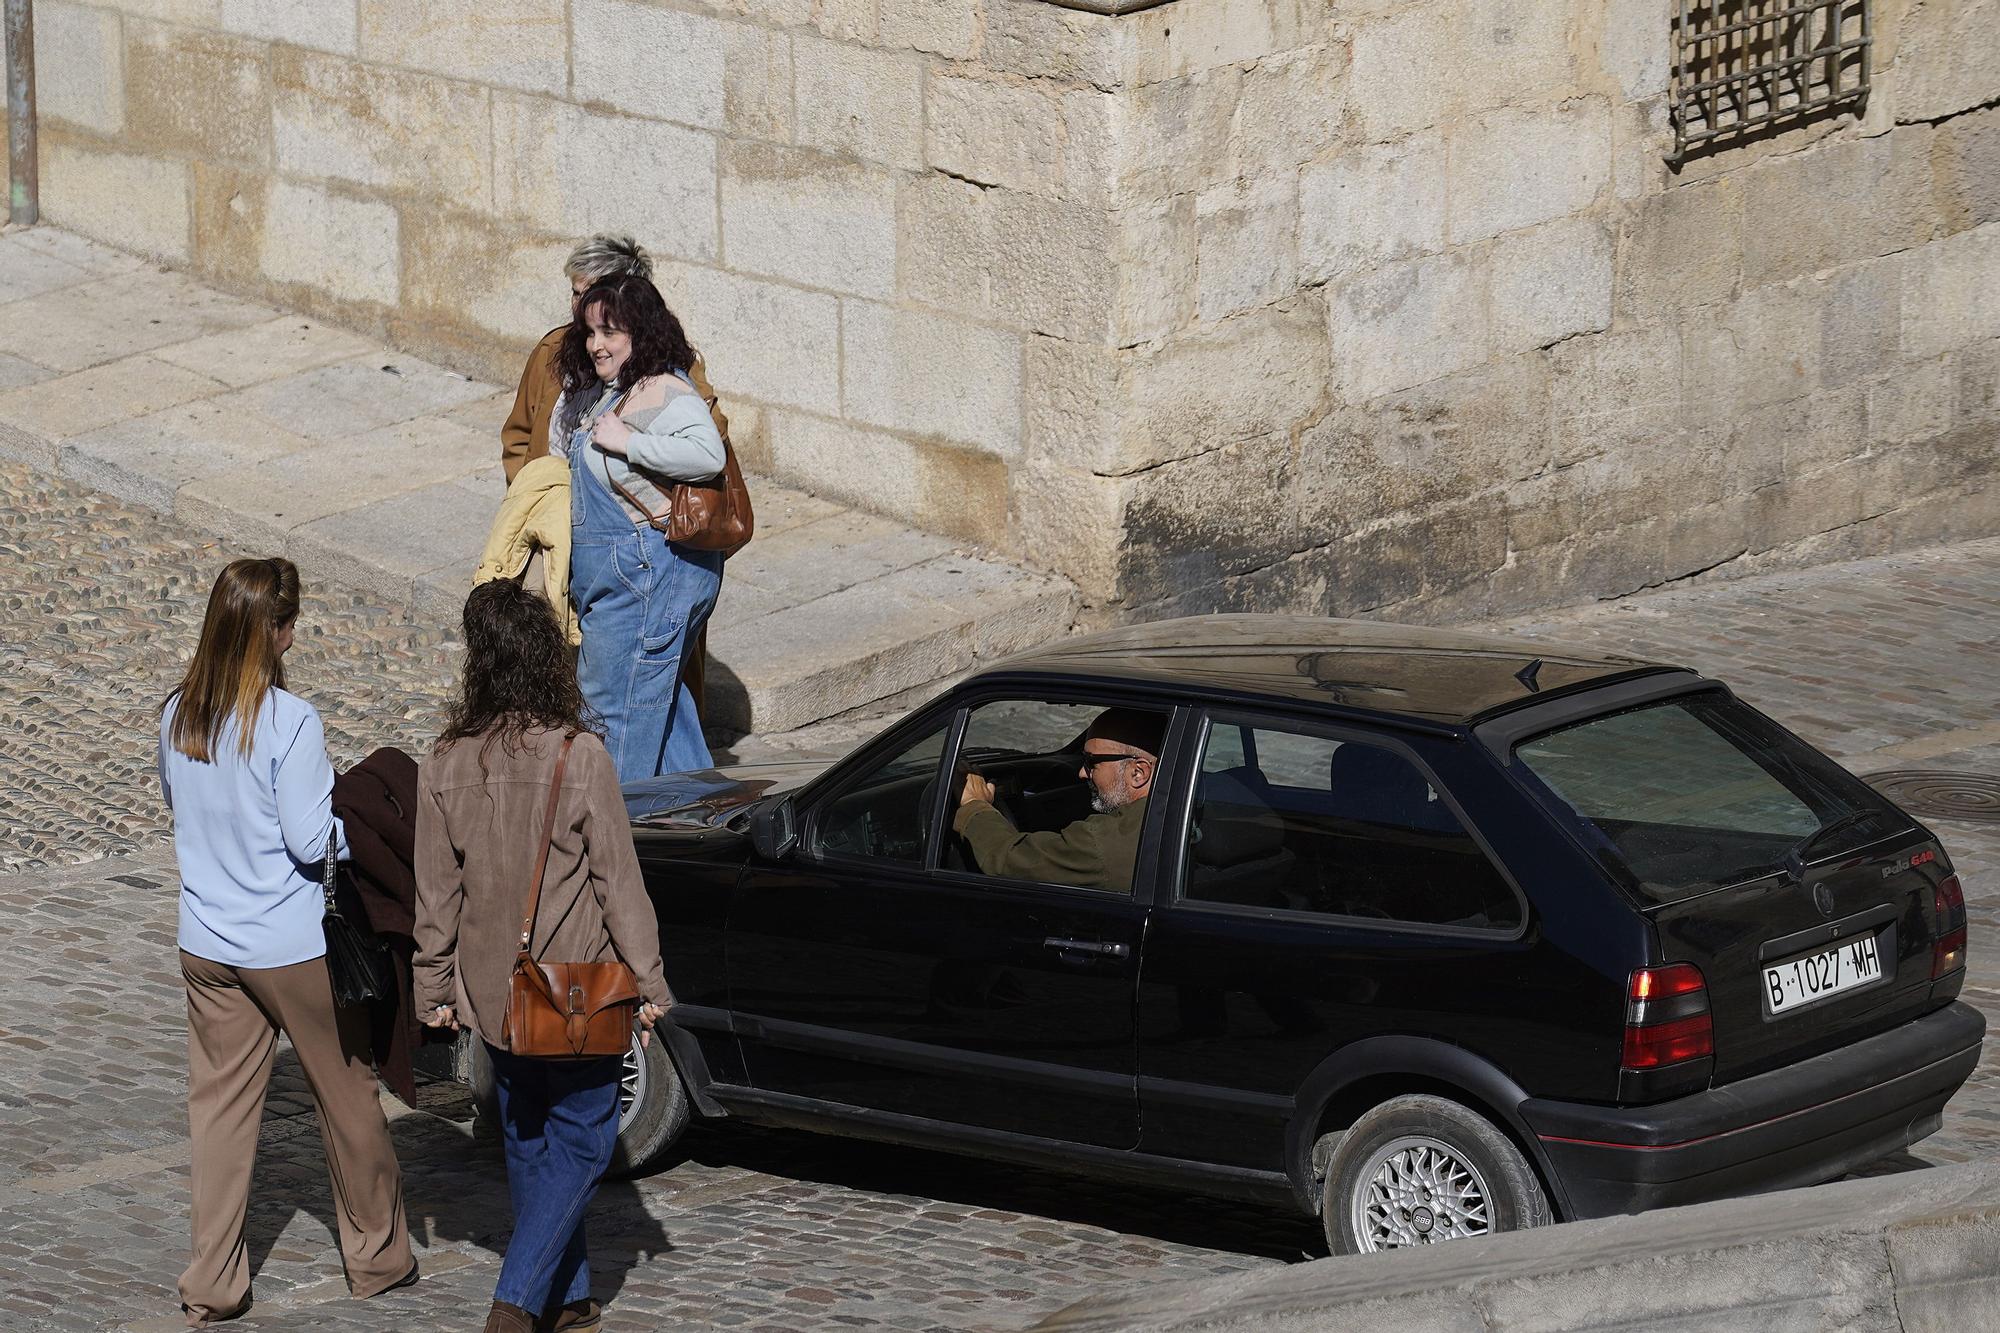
(1700, 792)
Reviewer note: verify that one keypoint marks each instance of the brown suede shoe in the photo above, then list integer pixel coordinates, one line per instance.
(584, 1316)
(505, 1318)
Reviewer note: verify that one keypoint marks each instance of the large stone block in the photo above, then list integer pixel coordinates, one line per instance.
(1071, 401)
(269, 350)
(1861, 316)
(1051, 42)
(77, 327)
(1371, 205)
(1967, 157)
(1058, 275)
(1615, 391)
(1634, 46)
(664, 63)
(194, 13)
(198, 93)
(1915, 402)
(1199, 520)
(148, 459)
(1837, 203)
(1680, 249)
(346, 248)
(101, 396)
(1174, 41)
(931, 375)
(949, 28)
(463, 269)
(952, 492)
(1069, 520)
(337, 119)
(137, 203)
(866, 104)
(757, 83)
(1760, 349)
(1517, 167)
(80, 66)
(811, 219)
(1948, 292)
(520, 44)
(1247, 255)
(1549, 283)
(1257, 375)
(572, 172)
(1408, 322)
(1291, 111)
(1155, 246)
(1173, 137)
(1945, 58)
(373, 396)
(327, 27)
(1387, 52)
(1008, 134)
(761, 339)
(1408, 451)
(1510, 52)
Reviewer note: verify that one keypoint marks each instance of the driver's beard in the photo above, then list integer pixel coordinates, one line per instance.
(1104, 804)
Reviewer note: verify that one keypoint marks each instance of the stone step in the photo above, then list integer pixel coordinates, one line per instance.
(278, 434)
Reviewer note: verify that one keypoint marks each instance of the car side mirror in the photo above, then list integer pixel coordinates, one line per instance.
(772, 830)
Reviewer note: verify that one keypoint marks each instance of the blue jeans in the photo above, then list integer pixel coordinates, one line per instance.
(559, 1122)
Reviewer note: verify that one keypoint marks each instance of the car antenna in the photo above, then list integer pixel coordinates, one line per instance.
(1527, 674)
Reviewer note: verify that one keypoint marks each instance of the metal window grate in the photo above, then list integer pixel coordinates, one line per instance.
(1740, 65)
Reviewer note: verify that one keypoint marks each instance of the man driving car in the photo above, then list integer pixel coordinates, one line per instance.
(1120, 761)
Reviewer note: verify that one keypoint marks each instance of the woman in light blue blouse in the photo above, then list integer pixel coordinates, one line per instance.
(243, 766)
(631, 424)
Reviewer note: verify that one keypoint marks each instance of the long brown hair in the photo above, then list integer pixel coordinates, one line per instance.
(518, 670)
(237, 660)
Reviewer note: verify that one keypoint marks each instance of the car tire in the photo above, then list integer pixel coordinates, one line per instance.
(1418, 1170)
(653, 1108)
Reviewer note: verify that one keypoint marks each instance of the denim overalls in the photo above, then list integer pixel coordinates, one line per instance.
(639, 601)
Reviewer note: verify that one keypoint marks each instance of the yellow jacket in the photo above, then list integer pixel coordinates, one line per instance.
(534, 516)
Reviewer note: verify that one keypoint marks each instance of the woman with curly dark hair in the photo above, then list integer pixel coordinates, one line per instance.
(483, 794)
(632, 425)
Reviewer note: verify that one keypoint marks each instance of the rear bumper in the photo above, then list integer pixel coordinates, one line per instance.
(1798, 1125)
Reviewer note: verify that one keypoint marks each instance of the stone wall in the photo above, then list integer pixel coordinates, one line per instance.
(1288, 304)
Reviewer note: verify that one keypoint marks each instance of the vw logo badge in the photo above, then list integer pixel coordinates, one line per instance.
(1823, 899)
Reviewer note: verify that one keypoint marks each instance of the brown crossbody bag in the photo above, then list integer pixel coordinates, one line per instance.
(565, 1010)
(712, 515)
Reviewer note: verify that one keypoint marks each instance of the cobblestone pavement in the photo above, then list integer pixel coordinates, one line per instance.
(1888, 663)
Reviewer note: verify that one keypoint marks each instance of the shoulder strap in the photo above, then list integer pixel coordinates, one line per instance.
(548, 834)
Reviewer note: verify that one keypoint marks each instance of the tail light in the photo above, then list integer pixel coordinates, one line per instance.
(1948, 954)
(1667, 1017)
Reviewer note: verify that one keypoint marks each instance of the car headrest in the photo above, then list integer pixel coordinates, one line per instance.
(1235, 821)
(1381, 787)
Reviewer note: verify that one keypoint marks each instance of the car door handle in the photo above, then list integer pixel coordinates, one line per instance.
(1104, 947)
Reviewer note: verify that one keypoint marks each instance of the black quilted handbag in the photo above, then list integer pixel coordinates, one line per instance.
(356, 961)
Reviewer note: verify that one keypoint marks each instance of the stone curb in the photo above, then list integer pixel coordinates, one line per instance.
(1918, 1251)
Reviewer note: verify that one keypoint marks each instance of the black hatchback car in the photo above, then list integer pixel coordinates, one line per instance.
(1428, 933)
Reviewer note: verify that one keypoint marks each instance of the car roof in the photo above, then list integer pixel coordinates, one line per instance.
(1446, 676)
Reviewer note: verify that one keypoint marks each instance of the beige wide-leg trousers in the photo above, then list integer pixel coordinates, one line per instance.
(234, 1017)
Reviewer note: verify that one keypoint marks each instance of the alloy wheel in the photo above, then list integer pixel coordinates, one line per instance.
(1419, 1191)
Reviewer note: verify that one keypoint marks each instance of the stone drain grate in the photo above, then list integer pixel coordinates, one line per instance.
(1944, 795)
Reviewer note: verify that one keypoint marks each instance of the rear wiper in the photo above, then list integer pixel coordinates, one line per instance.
(1803, 848)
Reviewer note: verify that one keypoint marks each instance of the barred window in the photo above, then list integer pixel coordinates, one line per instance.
(1743, 65)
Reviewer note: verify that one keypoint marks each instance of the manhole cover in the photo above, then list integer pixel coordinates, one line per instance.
(1924, 791)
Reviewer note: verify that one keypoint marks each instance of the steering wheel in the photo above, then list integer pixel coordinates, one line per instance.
(954, 855)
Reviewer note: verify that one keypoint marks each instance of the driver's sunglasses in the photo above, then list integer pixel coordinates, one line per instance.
(1093, 760)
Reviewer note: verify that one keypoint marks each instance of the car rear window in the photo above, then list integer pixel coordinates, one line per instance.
(1699, 792)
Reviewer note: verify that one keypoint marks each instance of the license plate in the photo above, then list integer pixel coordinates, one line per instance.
(1816, 976)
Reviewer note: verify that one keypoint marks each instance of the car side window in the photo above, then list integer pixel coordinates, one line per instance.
(1334, 828)
(883, 813)
(1047, 820)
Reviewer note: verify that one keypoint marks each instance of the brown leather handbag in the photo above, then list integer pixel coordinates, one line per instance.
(712, 515)
(565, 1011)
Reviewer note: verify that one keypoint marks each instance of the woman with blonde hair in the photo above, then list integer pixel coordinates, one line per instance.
(243, 767)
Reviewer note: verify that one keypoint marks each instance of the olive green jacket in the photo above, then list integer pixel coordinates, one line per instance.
(1094, 853)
